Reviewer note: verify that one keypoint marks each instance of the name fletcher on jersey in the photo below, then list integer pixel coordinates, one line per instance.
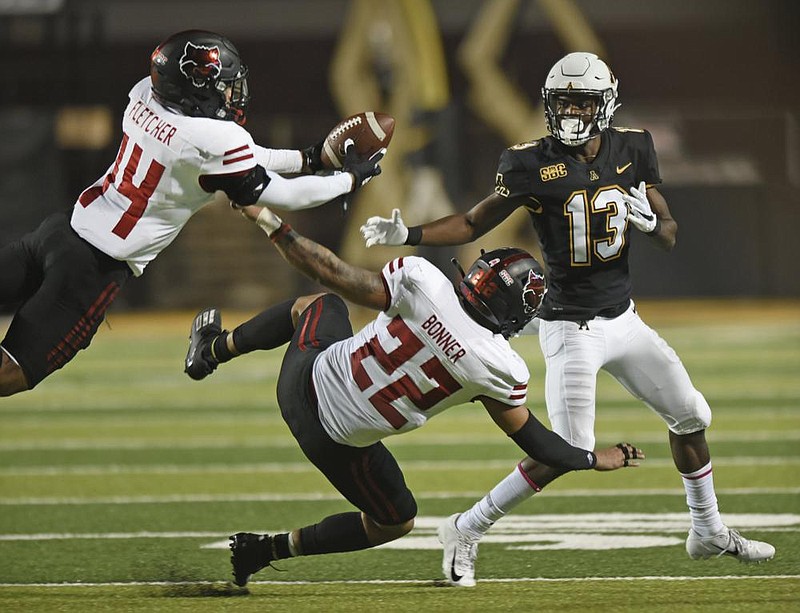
(147, 119)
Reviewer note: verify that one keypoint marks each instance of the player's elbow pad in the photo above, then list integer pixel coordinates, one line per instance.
(246, 190)
(546, 447)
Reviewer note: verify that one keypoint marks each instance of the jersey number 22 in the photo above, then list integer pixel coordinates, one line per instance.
(409, 346)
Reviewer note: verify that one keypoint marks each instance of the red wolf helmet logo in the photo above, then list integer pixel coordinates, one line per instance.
(200, 64)
(533, 291)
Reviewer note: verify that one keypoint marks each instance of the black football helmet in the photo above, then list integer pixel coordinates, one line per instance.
(503, 289)
(191, 72)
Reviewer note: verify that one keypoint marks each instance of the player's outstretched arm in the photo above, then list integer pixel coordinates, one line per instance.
(547, 447)
(319, 263)
(450, 230)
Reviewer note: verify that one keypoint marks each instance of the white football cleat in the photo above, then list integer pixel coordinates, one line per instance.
(458, 557)
(728, 543)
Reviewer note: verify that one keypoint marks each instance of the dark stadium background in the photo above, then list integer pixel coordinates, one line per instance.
(715, 81)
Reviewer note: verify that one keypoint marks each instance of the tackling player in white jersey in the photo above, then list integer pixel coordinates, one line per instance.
(429, 349)
(182, 140)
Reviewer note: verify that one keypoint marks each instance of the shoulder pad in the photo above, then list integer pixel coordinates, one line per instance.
(525, 145)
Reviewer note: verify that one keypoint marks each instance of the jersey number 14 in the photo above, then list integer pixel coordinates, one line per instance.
(138, 195)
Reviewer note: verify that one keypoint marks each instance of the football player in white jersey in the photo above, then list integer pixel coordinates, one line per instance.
(570, 184)
(430, 348)
(182, 140)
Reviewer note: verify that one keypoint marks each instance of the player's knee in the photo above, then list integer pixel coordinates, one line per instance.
(12, 379)
(378, 534)
(697, 417)
(397, 531)
(301, 304)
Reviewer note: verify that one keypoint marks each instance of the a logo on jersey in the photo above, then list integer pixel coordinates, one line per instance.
(556, 171)
(533, 291)
(593, 176)
(200, 64)
(523, 146)
(500, 187)
(621, 169)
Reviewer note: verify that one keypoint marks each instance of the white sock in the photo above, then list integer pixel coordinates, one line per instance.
(514, 489)
(702, 501)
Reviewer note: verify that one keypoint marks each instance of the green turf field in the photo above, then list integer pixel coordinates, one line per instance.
(120, 480)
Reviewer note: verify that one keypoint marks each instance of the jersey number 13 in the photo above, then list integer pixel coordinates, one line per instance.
(580, 210)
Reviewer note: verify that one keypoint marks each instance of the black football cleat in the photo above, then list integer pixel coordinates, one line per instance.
(250, 553)
(207, 325)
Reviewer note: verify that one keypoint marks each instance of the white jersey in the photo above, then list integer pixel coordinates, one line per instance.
(152, 189)
(423, 354)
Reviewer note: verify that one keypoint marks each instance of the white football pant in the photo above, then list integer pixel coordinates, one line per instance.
(630, 351)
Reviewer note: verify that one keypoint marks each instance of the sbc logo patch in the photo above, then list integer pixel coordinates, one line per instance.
(556, 171)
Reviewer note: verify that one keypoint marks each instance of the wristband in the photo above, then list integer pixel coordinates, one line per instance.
(284, 230)
(268, 221)
(414, 235)
(656, 229)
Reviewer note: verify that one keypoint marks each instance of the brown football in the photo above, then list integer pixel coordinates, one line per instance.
(369, 131)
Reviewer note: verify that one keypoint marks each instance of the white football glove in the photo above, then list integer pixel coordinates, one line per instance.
(383, 231)
(639, 212)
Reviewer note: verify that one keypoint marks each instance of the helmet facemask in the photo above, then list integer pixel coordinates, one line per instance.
(239, 98)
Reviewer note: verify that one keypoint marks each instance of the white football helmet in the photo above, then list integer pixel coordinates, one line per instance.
(582, 74)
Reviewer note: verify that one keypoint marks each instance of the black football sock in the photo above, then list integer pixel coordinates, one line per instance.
(267, 330)
(280, 546)
(336, 533)
(219, 348)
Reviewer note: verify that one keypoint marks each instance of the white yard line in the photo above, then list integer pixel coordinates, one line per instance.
(307, 467)
(313, 496)
(409, 581)
(492, 437)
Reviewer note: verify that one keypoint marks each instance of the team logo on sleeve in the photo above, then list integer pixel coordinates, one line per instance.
(533, 291)
(500, 187)
(200, 64)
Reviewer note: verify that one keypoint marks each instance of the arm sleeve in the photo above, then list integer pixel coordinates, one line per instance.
(549, 448)
(279, 160)
(303, 192)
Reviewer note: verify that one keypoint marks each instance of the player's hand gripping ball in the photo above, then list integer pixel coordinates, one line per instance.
(370, 132)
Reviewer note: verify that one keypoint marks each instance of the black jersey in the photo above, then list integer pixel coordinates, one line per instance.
(579, 215)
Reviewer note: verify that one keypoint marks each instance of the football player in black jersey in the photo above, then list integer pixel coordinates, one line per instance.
(585, 186)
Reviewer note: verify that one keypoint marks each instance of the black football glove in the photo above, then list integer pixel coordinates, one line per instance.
(362, 170)
(312, 160)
